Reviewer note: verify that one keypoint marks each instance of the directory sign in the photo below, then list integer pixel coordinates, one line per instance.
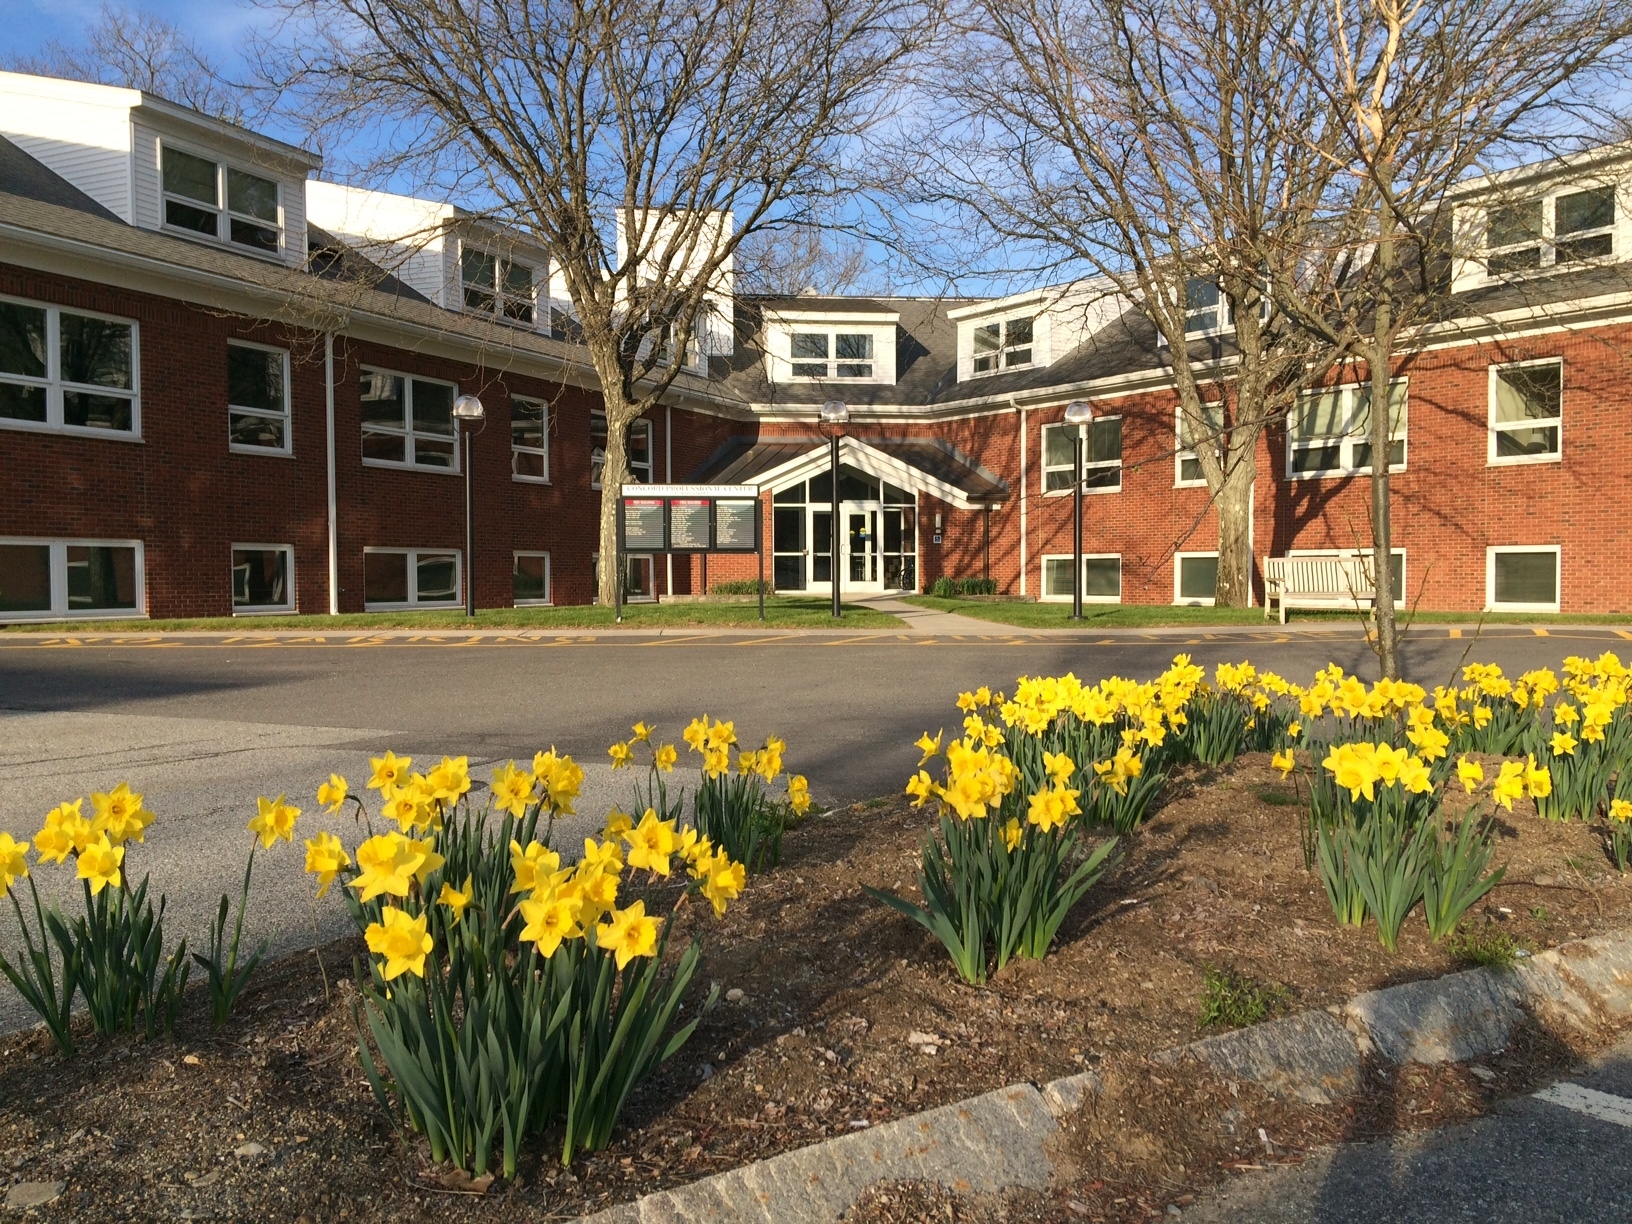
(689, 524)
(690, 518)
(734, 526)
(643, 524)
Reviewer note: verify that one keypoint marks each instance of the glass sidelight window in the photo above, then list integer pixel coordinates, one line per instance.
(789, 519)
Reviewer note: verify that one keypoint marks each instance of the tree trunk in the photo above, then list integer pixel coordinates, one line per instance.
(614, 471)
(1382, 533)
(1234, 505)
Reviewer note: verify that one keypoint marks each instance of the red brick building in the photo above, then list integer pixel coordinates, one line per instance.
(226, 387)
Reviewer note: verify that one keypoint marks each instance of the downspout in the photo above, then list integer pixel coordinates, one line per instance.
(334, 526)
(668, 478)
(1024, 484)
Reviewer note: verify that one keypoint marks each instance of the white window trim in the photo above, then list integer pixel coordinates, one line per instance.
(638, 422)
(832, 363)
(500, 297)
(649, 558)
(1346, 442)
(408, 434)
(1350, 553)
(531, 450)
(288, 447)
(1088, 467)
(1547, 240)
(54, 385)
(549, 580)
(414, 603)
(288, 551)
(59, 609)
(1226, 313)
(1179, 600)
(1492, 459)
(223, 213)
(1001, 353)
(1044, 597)
(1490, 578)
(1180, 455)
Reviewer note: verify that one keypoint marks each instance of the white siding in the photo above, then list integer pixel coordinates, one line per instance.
(145, 175)
(293, 191)
(85, 140)
(403, 235)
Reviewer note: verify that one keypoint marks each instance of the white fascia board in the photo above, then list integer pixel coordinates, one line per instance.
(180, 119)
(83, 92)
(866, 459)
(1566, 166)
(832, 317)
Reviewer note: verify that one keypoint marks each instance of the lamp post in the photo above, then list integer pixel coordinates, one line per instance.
(834, 413)
(1078, 413)
(468, 410)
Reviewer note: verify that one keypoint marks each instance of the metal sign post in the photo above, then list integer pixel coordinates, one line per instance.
(670, 518)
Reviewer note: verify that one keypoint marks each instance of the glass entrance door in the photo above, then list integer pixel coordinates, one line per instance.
(861, 544)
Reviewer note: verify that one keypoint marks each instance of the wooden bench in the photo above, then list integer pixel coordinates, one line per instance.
(1317, 582)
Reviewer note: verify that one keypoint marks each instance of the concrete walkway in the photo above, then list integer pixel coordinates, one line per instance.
(928, 620)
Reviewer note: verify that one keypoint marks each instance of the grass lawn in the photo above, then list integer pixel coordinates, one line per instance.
(1160, 616)
(781, 612)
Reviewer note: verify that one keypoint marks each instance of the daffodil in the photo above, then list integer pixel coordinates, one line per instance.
(622, 754)
(550, 919)
(665, 757)
(332, 794)
(1012, 833)
(532, 867)
(716, 762)
(643, 733)
(405, 808)
(608, 855)
(799, 794)
(387, 864)
(1414, 776)
(1059, 766)
(119, 814)
(723, 883)
(651, 842)
(449, 780)
(324, 859)
(1563, 743)
(389, 771)
(13, 862)
(1538, 780)
(1509, 784)
(402, 940)
(921, 787)
(65, 832)
(560, 777)
(99, 864)
(722, 735)
(1283, 761)
(275, 819)
(1470, 773)
(627, 934)
(769, 762)
(747, 762)
(696, 733)
(1620, 811)
(930, 747)
(513, 790)
(457, 899)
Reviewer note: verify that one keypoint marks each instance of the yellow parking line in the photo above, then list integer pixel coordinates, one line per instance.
(1623, 633)
(1456, 633)
(1539, 632)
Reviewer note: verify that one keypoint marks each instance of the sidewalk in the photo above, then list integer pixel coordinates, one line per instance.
(928, 620)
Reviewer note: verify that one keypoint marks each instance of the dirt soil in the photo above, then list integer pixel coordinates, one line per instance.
(271, 1118)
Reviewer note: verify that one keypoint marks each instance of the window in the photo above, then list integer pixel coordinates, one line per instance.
(639, 450)
(63, 369)
(788, 539)
(852, 354)
(530, 439)
(1522, 579)
(193, 191)
(1329, 431)
(257, 398)
(497, 286)
(1101, 578)
(530, 580)
(408, 421)
(1188, 467)
(409, 578)
(638, 577)
(1550, 231)
(1195, 578)
(1101, 456)
(1205, 308)
(1527, 412)
(263, 578)
(1003, 346)
(44, 579)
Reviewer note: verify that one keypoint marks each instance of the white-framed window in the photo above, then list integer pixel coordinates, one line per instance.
(1553, 230)
(530, 579)
(1207, 310)
(408, 421)
(1328, 431)
(639, 577)
(257, 398)
(43, 579)
(1520, 578)
(1195, 578)
(209, 197)
(639, 449)
(395, 578)
(1187, 472)
(263, 578)
(831, 354)
(1396, 568)
(1527, 412)
(1003, 345)
(496, 285)
(1101, 456)
(68, 369)
(529, 439)
(1101, 578)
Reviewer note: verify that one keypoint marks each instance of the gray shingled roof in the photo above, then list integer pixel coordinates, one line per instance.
(744, 460)
(21, 175)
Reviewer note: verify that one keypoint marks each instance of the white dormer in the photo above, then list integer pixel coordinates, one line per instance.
(1011, 333)
(164, 167)
(1560, 215)
(682, 252)
(814, 346)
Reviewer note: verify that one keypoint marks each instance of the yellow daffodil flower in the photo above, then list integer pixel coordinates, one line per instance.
(1565, 714)
(799, 794)
(532, 867)
(65, 832)
(617, 824)
(651, 842)
(723, 883)
(1538, 781)
(608, 855)
(389, 771)
(13, 862)
(1012, 833)
(119, 814)
(276, 819)
(1509, 784)
(622, 754)
(402, 941)
(1563, 743)
(1050, 809)
(665, 757)
(550, 918)
(1620, 810)
(929, 747)
(643, 733)
(387, 864)
(457, 899)
(967, 702)
(921, 786)
(769, 763)
(449, 780)
(1414, 776)
(696, 733)
(1283, 761)
(1059, 767)
(324, 859)
(512, 790)
(1469, 773)
(716, 762)
(332, 794)
(404, 808)
(629, 933)
(722, 735)
(99, 864)
(747, 762)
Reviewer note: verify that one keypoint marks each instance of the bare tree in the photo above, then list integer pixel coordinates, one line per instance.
(1423, 95)
(1161, 148)
(141, 50)
(805, 258)
(639, 142)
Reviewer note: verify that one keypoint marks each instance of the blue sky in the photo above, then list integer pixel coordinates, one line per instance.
(217, 25)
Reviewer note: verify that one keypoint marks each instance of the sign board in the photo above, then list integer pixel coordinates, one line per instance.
(690, 518)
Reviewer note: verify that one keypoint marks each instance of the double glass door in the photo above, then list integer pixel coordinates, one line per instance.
(877, 537)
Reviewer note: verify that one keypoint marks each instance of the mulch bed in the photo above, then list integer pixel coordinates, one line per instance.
(816, 1043)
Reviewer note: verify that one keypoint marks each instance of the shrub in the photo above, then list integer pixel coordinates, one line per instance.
(955, 588)
(1486, 947)
(1233, 1000)
(739, 586)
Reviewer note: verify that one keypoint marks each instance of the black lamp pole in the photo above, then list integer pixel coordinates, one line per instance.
(468, 411)
(834, 413)
(1080, 416)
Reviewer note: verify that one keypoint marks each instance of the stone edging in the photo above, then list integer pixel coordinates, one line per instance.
(995, 1142)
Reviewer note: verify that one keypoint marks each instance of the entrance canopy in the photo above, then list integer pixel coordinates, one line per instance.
(919, 465)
